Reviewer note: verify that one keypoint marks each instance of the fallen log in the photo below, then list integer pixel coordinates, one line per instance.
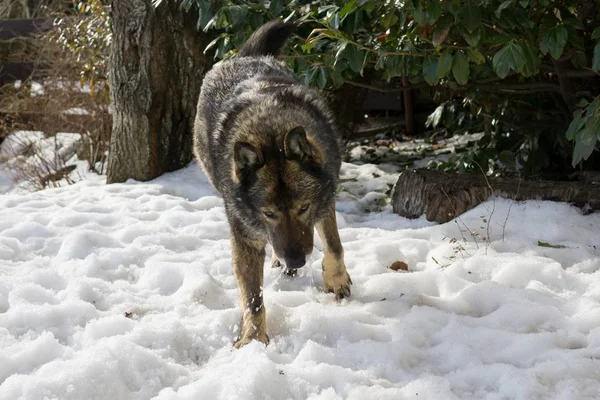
(442, 196)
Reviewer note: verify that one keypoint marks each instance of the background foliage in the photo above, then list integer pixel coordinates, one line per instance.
(522, 70)
(84, 36)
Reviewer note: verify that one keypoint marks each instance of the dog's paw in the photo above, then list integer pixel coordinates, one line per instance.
(247, 339)
(339, 285)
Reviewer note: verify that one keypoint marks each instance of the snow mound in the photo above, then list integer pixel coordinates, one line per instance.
(126, 291)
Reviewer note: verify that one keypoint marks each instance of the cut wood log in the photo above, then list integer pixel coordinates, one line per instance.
(442, 196)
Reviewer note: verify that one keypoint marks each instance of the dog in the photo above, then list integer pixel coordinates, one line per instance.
(269, 146)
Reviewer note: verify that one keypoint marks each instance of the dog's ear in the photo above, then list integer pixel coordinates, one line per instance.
(246, 158)
(299, 147)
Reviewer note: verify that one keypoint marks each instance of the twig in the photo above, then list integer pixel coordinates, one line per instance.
(488, 230)
(457, 218)
(509, 208)
(514, 88)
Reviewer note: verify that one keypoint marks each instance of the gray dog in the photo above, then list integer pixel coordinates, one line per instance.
(269, 146)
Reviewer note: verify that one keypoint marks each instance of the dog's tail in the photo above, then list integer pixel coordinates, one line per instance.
(268, 39)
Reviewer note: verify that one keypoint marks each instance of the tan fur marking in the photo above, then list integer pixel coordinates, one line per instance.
(275, 263)
(317, 152)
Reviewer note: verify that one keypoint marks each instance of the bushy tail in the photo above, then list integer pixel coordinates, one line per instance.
(268, 39)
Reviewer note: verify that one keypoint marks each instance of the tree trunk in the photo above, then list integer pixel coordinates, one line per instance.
(443, 196)
(156, 69)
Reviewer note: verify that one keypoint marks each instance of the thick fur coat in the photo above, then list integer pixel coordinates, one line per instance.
(269, 146)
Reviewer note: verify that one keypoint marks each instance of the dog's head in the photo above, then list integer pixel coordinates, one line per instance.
(287, 185)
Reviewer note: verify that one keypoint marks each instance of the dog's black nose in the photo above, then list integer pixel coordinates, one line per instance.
(295, 262)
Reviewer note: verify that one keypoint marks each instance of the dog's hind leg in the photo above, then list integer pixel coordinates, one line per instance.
(248, 262)
(335, 277)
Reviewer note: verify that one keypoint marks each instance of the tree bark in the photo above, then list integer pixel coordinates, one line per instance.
(156, 69)
(442, 196)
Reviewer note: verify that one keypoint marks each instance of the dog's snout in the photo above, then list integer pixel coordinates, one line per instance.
(295, 259)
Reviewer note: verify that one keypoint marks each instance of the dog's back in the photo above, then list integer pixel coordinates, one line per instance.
(256, 80)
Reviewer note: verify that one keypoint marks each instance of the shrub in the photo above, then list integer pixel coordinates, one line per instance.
(519, 66)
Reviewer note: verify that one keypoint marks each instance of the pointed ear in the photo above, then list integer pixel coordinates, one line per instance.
(246, 158)
(299, 147)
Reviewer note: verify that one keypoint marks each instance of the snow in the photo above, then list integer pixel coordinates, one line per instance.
(25, 156)
(415, 153)
(126, 291)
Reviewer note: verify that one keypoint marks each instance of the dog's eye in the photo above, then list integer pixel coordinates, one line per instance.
(303, 209)
(269, 214)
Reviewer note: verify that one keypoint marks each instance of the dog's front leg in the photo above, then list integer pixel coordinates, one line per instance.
(335, 277)
(248, 261)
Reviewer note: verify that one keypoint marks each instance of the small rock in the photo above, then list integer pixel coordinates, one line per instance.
(399, 265)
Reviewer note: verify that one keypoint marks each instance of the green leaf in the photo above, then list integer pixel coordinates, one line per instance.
(348, 8)
(554, 40)
(585, 130)
(336, 77)
(427, 13)
(460, 68)
(503, 6)
(256, 20)
(475, 56)
(584, 147)
(340, 51)
(435, 117)
(507, 158)
(523, 18)
(223, 47)
(420, 15)
(429, 71)
(575, 40)
(322, 78)
(444, 65)
(575, 125)
(596, 33)
(354, 56)
(596, 59)
(511, 57)
(389, 19)
(205, 18)
(583, 103)
(532, 61)
(367, 56)
(470, 16)
(276, 6)
(334, 22)
(309, 75)
(554, 246)
(212, 44)
(442, 28)
(472, 38)
(380, 64)
(395, 66)
(575, 23)
(236, 15)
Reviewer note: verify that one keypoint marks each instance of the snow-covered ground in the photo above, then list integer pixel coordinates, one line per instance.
(126, 292)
